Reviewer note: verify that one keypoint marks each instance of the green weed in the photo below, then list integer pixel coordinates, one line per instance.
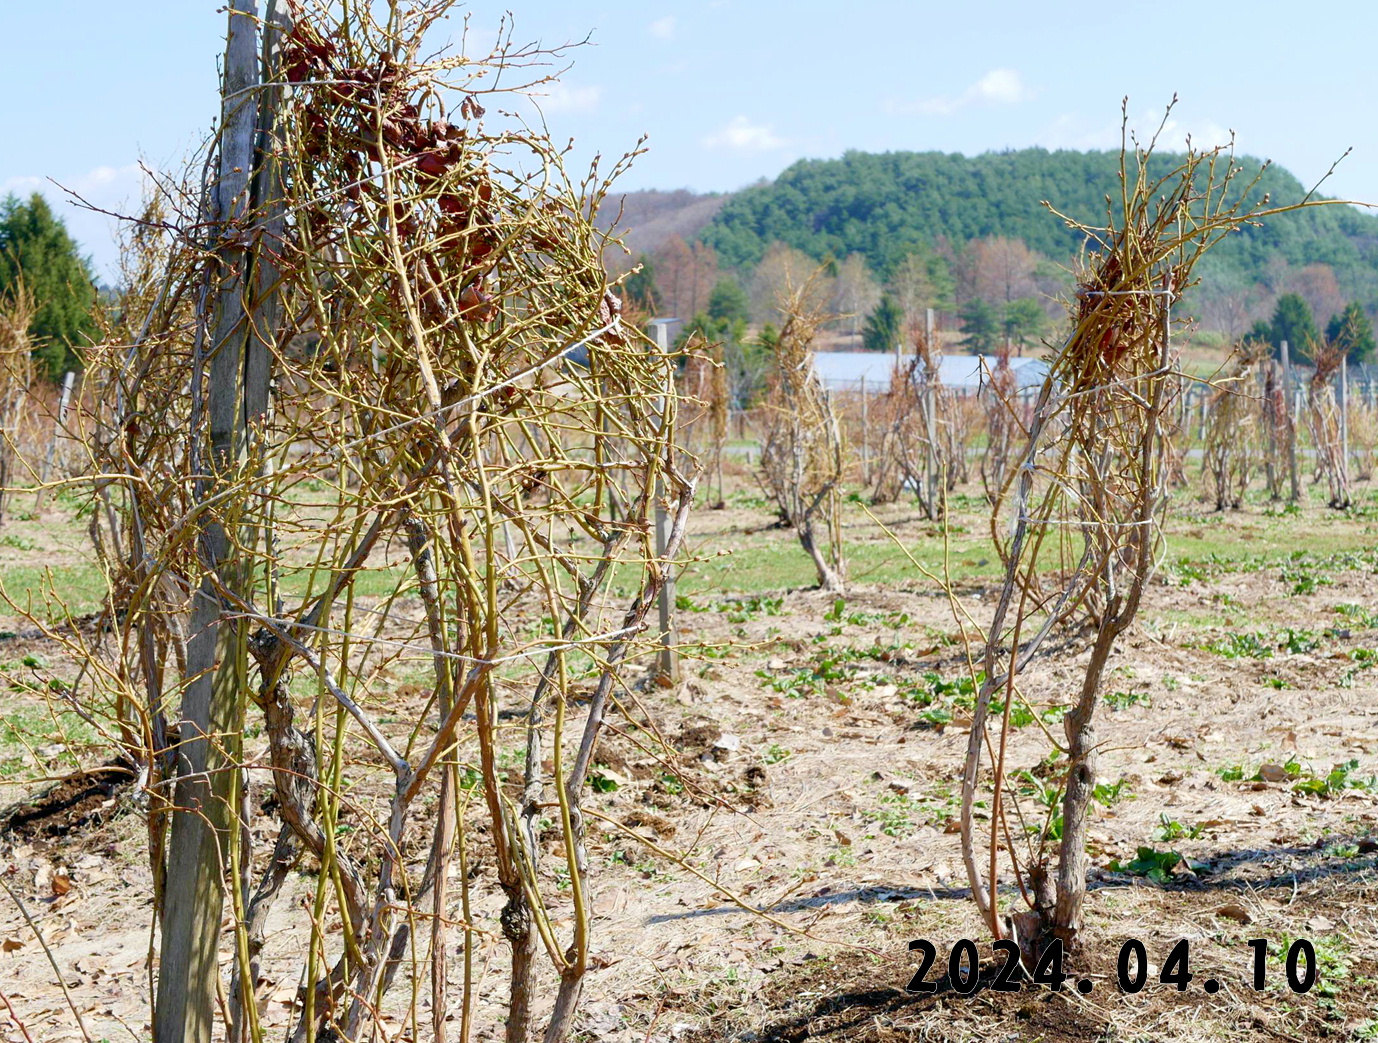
(1170, 829)
(1108, 795)
(1241, 646)
(1154, 865)
(1358, 616)
(1340, 778)
(775, 754)
(1124, 700)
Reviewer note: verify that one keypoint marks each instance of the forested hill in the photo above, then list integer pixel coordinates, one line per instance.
(885, 205)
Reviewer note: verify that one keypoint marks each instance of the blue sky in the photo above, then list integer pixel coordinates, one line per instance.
(730, 91)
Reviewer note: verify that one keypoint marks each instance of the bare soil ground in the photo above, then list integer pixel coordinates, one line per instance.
(817, 747)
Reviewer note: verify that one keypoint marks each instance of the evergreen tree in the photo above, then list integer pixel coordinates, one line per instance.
(1023, 320)
(1293, 323)
(1260, 332)
(1352, 331)
(728, 303)
(35, 248)
(980, 323)
(883, 326)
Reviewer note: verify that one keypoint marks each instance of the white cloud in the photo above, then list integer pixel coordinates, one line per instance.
(565, 97)
(663, 28)
(1205, 134)
(114, 188)
(1072, 131)
(96, 182)
(741, 135)
(997, 87)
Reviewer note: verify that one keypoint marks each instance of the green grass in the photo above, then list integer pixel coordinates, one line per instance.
(1199, 549)
(24, 729)
(81, 587)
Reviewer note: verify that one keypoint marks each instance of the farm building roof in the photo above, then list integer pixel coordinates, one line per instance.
(843, 370)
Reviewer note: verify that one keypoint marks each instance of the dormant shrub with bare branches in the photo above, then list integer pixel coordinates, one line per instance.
(340, 442)
(1323, 420)
(705, 386)
(889, 415)
(960, 418)
(918, 441)
(1003, 425)
(1082, 516)
(16, 381)
(1234, 422)
(927, 431)
(802, 457)
(1363, 438)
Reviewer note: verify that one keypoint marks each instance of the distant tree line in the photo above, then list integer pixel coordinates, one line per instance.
(883, 206)
(969, 237)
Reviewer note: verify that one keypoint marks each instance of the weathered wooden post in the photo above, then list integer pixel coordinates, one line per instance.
(234, 363)
(930, 420)
(865, 437)
(667, 661)
(63, 403)
(1290, 412)
(1344, 418)
(1265, 384)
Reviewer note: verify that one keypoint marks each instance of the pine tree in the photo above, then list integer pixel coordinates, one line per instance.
(1294, 323)
(1352, 332)
(882, 329)
(1023, 319)
(980, 321)
(35, 248)
(728, 303)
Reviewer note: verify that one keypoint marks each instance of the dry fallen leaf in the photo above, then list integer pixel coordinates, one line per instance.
(1236, 912)
(61, 884)
(11, 945)
(1272, 772)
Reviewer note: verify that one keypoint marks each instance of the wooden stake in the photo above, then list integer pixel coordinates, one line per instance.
(930, 421)
(865, 439)
(212, 702)
(66, 399)
(1290, 412)
(1344, 413)
(667, 660)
